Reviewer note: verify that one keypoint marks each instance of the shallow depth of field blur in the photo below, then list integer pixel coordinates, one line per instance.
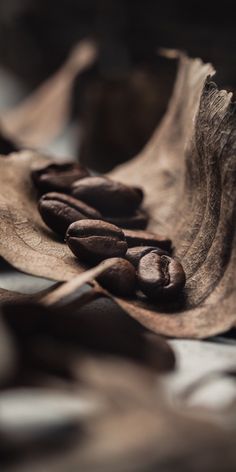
(103, 115)
(118, 101)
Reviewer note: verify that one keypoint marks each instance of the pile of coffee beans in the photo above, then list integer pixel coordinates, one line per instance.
(100, 218)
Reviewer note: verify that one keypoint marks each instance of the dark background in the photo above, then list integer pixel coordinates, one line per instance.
(122, 98)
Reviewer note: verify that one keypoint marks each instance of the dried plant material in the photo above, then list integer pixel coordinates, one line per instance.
(44, 114)
(188, 174)
(168, 440)
(159, 169)
(133, 430)
(12, 297)
(67, 292)
(65, 332)
(188, 171)
(25, 242)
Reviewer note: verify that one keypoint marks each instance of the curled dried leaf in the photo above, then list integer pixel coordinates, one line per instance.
(44, 114)
(189, 174)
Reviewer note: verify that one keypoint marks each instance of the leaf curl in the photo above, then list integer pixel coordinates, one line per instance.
(44, 114)
(189, 174)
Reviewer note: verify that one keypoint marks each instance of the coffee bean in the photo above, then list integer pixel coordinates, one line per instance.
(58, 211)
(58, 177)
(120, 279)
(111, 198)
(144, 238)
(138, 220)
(135, 254)
(95, 240)
(160, 276)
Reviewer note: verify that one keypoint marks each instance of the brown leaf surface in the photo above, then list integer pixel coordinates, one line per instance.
(44, 114)
(12, 297)
(188, 171)
(25, 242)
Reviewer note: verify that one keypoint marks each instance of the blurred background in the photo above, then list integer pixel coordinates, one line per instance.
(118, 101)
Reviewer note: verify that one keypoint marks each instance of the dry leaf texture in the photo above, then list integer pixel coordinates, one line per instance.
(188, 172)
(25, 242)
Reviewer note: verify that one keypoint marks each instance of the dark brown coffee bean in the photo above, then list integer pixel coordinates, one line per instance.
(160, 276)
(58, 177)
(144, 238)
(120, 279)
(58, 211)
(111, 198)
(95, 240)
(138, 220)
(135, 254)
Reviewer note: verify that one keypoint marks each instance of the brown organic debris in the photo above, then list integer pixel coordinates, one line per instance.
(188, 173)
(25, 242)
(127, 425)
(43, 115)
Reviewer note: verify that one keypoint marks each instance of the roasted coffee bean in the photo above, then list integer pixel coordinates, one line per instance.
(135, 254)
(95, 240)
(160, 276)
(58, 211)
(138, 220)
(120, 279)
(144, 238)
(58, 177)
(111, 198)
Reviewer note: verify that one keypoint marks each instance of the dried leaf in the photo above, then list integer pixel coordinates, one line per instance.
(12, 297)
(133, 430)
(188, 171)
(25, 242)
(65, 333)
(44, 114)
